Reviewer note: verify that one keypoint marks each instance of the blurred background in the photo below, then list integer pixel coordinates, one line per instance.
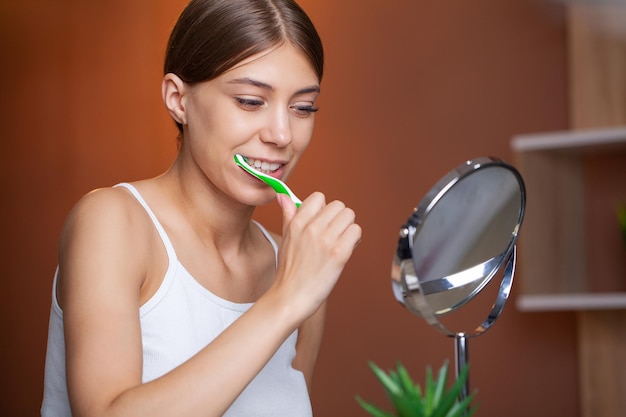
(412, 88)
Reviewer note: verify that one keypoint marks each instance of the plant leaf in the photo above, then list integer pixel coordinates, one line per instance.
(406, 407)
(428, 391)
(408, 401)
(391, 383)
(373, 410)
(440, 386)
(408, 386)
(388, 382)
(462, 409)
(450, 398)
(410, 404)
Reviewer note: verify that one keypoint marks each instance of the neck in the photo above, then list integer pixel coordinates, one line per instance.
(213, 215)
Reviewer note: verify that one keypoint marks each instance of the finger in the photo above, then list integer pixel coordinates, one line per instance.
(335, 218)
(288, 208)
(344, 217)
(307, 212)
(322, 216)
(348, 242)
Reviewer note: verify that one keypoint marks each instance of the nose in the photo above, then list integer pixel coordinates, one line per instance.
(278, 128)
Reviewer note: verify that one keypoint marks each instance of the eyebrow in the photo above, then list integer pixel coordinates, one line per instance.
(265, 86)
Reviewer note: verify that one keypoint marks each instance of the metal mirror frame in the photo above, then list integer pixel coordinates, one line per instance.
(405, 284)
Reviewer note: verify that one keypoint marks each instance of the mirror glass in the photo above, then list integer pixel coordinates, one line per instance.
(462, 233)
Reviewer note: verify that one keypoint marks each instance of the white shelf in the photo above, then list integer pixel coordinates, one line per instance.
(596, 139)
(571, 302)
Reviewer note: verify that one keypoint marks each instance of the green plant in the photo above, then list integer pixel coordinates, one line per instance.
(408, 399)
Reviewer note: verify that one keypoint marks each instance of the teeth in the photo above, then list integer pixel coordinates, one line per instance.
(263, 166)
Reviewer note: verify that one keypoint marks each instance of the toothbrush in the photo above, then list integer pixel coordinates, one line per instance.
(278, 186)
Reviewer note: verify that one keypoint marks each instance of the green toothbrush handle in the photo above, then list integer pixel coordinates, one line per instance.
(278, 186)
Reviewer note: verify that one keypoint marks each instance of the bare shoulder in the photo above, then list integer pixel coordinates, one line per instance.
(105, 199)
(104, 210)
(104, 240)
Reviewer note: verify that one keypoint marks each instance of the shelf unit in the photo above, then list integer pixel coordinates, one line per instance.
(572, 254)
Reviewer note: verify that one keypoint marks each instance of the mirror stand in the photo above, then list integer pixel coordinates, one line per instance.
(462, 359)
(461, 338)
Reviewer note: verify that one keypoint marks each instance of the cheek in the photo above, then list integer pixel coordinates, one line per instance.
(240, 129)
(301, 139)
(220, 129)
(302, 134)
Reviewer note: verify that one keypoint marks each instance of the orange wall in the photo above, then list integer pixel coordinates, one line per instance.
(412, 88)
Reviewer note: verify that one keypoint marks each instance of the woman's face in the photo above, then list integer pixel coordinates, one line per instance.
(263, 108)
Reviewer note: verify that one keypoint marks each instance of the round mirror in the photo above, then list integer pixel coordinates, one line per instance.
(457, 239)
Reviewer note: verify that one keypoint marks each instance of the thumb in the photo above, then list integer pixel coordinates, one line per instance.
(288, 208)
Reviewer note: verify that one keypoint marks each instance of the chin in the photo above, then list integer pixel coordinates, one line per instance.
(260, 200)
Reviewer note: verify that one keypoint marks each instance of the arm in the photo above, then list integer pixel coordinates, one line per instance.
(309, 341)
(103, 263)
(311, 331)
(310, 335)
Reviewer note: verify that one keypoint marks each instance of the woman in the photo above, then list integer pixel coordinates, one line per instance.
(168, 299)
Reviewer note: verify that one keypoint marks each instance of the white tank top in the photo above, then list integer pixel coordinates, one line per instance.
(180, 319)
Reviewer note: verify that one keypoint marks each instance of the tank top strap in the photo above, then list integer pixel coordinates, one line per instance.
(171, 253)
(269, 238)
(165, 238)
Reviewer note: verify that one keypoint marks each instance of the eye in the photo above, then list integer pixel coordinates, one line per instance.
(304, 109)
(249, 103)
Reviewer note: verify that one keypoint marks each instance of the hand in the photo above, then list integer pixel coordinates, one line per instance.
(318, 240)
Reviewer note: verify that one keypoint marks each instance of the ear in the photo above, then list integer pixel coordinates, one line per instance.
(173, 91)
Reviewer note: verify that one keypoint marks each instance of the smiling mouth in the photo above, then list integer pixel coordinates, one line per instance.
(265, 167)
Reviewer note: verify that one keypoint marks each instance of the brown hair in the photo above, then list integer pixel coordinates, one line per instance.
(211, 36)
